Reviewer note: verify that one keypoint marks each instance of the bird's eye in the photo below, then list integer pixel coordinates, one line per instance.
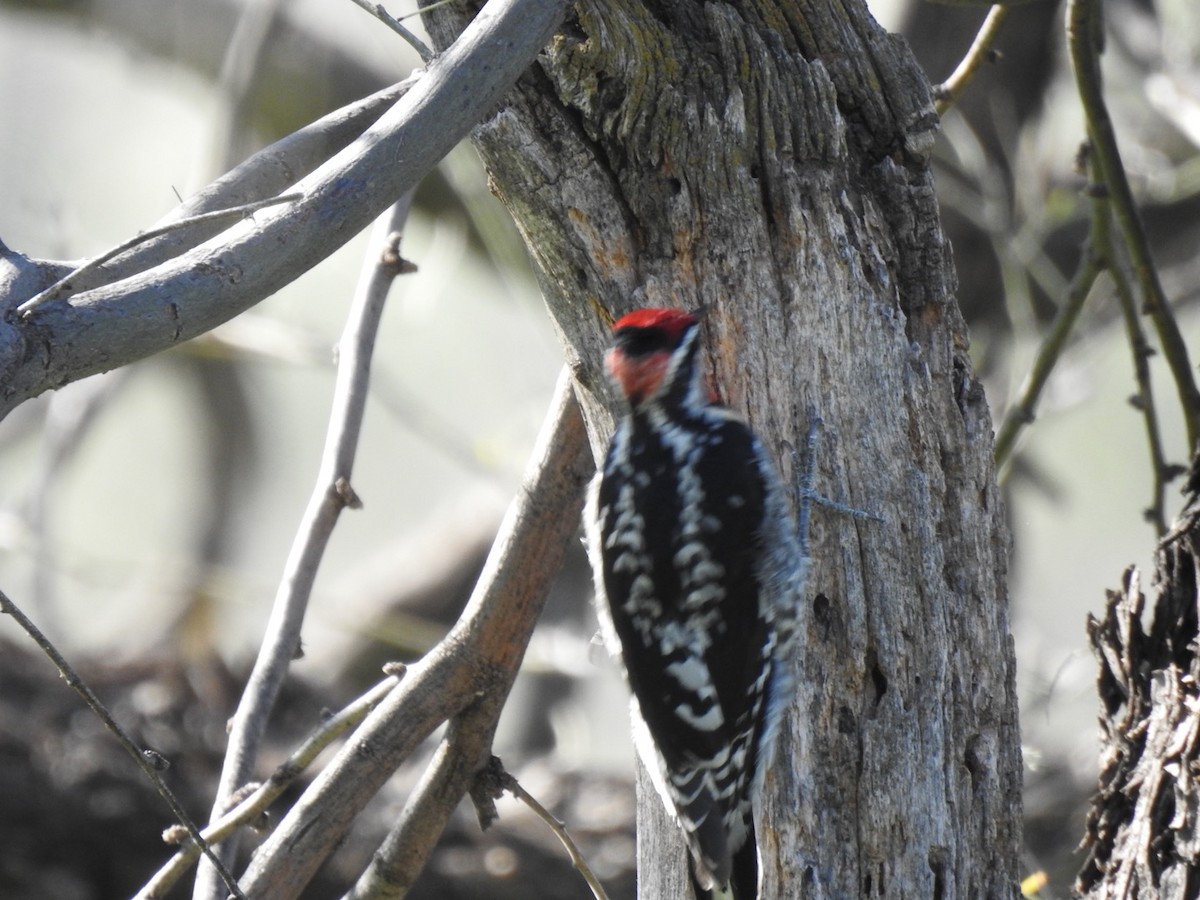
(641, 341)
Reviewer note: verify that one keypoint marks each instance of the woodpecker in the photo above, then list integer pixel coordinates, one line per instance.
(699, 569)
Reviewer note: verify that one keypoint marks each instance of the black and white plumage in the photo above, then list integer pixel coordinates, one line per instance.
(698, 573)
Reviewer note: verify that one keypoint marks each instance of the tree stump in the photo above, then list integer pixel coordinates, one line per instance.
(1142, 837)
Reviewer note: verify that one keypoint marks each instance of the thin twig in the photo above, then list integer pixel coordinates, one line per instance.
(273, 169)
(947, 93)
(421, 10)
(149, 761)
(377, 10)
(261, 176)
(1084, 36)
(331, 494)
(240, 211)
(514, 787)
(1021, 412)
(1143, 400)
(268, 792)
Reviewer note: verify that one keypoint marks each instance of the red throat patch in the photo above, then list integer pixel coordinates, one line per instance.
(638, 377)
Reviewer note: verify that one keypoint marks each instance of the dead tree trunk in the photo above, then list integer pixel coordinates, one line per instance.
(768, 161)
(1143, 831)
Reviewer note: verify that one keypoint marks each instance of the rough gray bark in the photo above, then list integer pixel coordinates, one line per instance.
(1143, 831)
(769, 161)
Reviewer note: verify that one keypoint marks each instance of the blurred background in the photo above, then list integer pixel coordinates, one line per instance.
(145, 514)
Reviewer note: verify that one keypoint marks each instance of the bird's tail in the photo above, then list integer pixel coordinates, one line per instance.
(743, 876)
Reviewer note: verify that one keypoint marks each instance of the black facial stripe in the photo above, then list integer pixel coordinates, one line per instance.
(643, 341)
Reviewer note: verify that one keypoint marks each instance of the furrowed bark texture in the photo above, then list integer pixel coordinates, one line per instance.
(1143, 831)
(768, 161)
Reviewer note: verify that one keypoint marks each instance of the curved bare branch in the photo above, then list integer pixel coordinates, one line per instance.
(116, 324)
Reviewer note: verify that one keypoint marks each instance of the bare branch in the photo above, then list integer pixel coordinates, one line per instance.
(560, 831)
(399, 860)
(473, 666)
(220, 215)
(1111, 200)
(1021, 411)
(259, 178)
(269, 791)
(377, 10)
(149, 761)
(330, 496)
(947, 93)
(116, 324)
(1143, 400)
(1083, 38)
(262, 176)
(462, 763)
